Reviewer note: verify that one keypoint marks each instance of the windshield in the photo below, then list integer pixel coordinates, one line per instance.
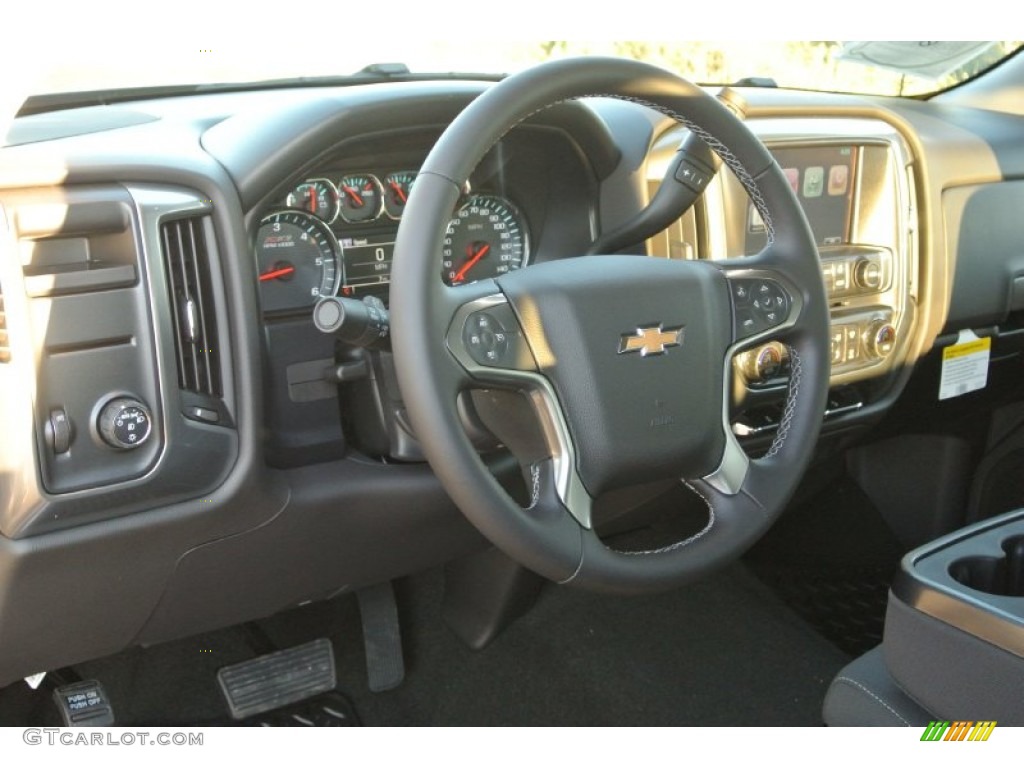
(885, 68)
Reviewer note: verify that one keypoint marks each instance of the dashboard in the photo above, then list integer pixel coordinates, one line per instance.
(181, 436)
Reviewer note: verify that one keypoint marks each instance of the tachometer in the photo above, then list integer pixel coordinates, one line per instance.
(486, 238)
(298, 261)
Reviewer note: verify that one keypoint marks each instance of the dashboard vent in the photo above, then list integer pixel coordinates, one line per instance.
(5, 344)
(188, 271)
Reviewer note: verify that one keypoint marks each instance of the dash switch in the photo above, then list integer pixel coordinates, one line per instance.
(58, 430)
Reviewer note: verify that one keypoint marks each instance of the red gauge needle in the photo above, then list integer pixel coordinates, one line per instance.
(461, 274)
(399, 192)
(355, 196)
(276, 273)
(312, 200)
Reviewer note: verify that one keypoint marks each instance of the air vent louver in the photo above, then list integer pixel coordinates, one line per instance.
(188, 273)
(5, 344)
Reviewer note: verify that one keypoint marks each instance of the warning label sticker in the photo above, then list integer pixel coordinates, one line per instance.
(964, 366)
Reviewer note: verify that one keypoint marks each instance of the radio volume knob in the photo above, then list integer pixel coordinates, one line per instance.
(879, 339)
(867, 274)
(125, 423)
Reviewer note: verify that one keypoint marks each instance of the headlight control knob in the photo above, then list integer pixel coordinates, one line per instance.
(125, 423)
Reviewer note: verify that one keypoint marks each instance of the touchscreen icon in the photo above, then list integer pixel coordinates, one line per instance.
(793, 174)
(837, 178)
(814, 181)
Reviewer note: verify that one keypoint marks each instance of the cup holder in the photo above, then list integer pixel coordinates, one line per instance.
(994, 575)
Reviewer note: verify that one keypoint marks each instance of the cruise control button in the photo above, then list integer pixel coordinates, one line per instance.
(492, 339)
(486, 338)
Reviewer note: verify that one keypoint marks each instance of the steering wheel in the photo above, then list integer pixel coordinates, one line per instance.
(626, 360)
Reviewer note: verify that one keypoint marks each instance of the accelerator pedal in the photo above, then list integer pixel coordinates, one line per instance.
(278, 679)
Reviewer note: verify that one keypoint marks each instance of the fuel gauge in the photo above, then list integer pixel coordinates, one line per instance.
(361, 195)
(396, 192)
(316, 196)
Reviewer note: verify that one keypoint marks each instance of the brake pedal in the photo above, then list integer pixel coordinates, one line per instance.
(278, 679)
(385, 665)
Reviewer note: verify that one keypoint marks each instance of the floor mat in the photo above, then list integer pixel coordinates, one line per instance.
(849, 609)
(724, 651)
(832, 559)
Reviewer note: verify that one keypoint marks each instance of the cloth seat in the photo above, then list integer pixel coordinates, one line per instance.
(865, 694)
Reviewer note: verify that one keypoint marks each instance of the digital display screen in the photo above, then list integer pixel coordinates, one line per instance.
(367, 259)
(822, 179)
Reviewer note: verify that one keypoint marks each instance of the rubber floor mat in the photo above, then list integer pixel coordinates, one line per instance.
(849, 610)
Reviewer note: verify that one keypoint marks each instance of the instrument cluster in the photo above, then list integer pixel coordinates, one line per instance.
(335, 235)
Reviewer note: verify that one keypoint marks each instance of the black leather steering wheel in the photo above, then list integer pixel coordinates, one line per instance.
(627, 360)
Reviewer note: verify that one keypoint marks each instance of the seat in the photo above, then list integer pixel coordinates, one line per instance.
(865, 694)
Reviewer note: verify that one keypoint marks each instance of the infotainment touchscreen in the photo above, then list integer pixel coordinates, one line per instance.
(822, 177)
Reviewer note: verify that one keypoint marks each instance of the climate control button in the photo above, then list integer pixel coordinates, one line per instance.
(879, 339)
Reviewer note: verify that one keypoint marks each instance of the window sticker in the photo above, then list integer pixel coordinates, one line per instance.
(964, 365)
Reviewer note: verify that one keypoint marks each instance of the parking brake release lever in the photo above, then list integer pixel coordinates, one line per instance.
(363, 323)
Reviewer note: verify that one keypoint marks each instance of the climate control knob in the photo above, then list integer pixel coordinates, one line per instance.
(879, 339)
(125, 423)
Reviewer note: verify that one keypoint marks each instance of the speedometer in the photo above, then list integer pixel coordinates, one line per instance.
(486, 238)
(298, 260)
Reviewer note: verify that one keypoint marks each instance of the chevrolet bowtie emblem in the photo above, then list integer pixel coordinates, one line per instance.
(650, 341)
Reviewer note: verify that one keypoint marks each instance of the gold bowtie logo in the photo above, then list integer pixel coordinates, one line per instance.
(650, 341)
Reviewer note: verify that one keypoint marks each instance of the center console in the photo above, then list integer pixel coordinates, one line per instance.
(954, 635)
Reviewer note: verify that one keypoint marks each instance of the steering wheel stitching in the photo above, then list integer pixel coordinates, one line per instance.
(625, 390)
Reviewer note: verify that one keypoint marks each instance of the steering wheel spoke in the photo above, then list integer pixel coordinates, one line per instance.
(731, 473)
(765, 303)
(486, 339)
